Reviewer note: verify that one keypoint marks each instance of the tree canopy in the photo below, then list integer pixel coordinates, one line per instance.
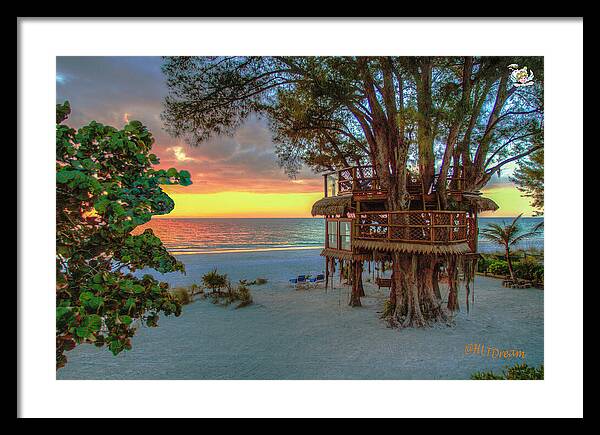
(106, 187)
(529, 178)
(429, 113)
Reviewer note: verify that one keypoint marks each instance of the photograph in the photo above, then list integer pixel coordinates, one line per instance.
(299, 217)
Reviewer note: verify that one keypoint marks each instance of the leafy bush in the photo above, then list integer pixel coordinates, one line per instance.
(483, 263)
(388, 309)
(240, 293)
(516, 372)
(486, 376)
(523, 371)
(498, 267)
(106, 186)
(214, 280)
(260, 281)
(243, 295)
(182, 294)
(529, 268)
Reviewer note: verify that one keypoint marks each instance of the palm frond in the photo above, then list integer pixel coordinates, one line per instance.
(536, 230)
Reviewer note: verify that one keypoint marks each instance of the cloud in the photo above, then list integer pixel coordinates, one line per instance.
(179, 154)
(115, 90)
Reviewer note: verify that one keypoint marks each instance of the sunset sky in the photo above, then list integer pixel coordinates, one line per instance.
(232, 176)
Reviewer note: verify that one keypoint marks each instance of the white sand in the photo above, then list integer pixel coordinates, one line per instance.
(311, 334)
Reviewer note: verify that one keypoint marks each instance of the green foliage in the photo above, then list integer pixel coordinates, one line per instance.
(523, 371)
(498, 267)
(214, 280)
(240, 293)
(388, 309)
(486, 376)
(508, 235)
(529, 178)
(483, 263)
(516, 372)
(526, 267)
(328, 112)
(62, 111)
(182, 294)
(106, 187)
(529, 269)
(243, 295)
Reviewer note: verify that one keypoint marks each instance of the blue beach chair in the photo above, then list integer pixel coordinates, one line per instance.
(320, 278)
(299, 281)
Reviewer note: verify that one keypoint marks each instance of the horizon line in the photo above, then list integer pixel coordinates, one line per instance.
(297, 217)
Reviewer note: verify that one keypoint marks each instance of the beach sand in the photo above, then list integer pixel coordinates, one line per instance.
(314, 334)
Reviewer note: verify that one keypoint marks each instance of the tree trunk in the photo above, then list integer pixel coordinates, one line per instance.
(510, 265)
(436, 280)
(416, 302)
(393, 290)
(361, 289)
(452, 284)
(356, 270)
(326, 273)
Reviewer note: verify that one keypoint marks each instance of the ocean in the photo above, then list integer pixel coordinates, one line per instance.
(219, 235)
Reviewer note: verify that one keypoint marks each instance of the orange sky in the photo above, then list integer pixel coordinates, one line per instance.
(294, 204)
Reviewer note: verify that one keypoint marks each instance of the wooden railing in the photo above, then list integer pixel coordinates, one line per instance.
(351, 180)
(364, 179)
(429, 227)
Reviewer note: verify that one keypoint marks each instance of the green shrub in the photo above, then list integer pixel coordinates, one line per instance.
(498, 267)
(529, 268)
(388, 309)
(523, 371)
(483, 263)
(243, 295)
(182, 294)
(486, 376)
(214, 280)
(260, 281)
(516, 372)
(240, 293)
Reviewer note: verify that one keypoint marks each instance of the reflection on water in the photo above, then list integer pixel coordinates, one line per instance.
(204, 236)
(200, 235)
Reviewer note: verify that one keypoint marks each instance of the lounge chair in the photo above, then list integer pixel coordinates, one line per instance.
(300, 281)
(320, 278)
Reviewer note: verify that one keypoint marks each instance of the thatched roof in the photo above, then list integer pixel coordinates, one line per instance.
(331, 205)
(421, 248)
(344, 255)
(482, 203)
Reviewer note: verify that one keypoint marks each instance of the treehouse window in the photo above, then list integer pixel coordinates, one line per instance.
(345, 235)
(332, 234)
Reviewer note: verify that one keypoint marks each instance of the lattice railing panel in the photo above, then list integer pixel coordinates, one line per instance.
(415, 226)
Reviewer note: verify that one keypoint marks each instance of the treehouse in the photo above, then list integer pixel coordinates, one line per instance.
(359, 225)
